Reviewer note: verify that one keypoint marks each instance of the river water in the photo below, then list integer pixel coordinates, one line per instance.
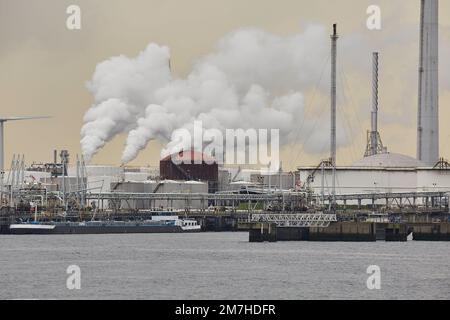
(218, 266)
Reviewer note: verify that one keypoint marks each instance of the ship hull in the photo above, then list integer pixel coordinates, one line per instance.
(61, 229)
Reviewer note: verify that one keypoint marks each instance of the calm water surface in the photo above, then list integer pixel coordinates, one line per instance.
(218, 266)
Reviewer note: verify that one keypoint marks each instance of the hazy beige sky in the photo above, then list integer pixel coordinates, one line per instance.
(44, 66)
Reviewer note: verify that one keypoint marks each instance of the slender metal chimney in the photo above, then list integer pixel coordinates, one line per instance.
(374, 122)
(334, 38)
(374, 144)
(428, 99)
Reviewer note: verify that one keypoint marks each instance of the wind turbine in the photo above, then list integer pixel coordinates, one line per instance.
(2, 124)
(2, 154)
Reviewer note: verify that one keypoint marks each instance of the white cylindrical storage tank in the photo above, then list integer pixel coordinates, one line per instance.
(98, 170)
(135, 176)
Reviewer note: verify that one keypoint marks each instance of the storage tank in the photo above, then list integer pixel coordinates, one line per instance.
(283, 180)
(99, 170)
(190, 165)
(164, 186)
(135, 176)
(240, 185)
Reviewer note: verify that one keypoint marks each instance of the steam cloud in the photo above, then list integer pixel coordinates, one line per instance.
(253, 80)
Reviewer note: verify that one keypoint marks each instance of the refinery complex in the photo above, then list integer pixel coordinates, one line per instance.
(383, 196)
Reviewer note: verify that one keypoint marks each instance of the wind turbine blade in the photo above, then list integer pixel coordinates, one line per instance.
(23, 118)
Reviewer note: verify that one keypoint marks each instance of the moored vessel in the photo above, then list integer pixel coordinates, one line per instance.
(158, 224)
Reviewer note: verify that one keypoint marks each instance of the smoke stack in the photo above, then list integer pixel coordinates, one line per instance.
(64, 155)
(374, 143)
(374, 128)
(428, 100)
(334, 38)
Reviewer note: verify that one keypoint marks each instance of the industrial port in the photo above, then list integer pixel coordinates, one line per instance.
(383, 196)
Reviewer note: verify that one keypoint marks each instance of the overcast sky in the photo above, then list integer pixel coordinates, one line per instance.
(45, 67)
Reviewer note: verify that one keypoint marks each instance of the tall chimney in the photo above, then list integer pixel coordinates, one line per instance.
(428, 100)
(374, 120)
(334, 38)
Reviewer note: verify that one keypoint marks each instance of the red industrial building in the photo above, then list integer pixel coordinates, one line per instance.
(190, 165)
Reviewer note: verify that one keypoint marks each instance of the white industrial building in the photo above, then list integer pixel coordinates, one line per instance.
(380, 173)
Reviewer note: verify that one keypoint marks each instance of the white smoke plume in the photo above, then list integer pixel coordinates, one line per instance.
(122, 89)
(254, 80)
